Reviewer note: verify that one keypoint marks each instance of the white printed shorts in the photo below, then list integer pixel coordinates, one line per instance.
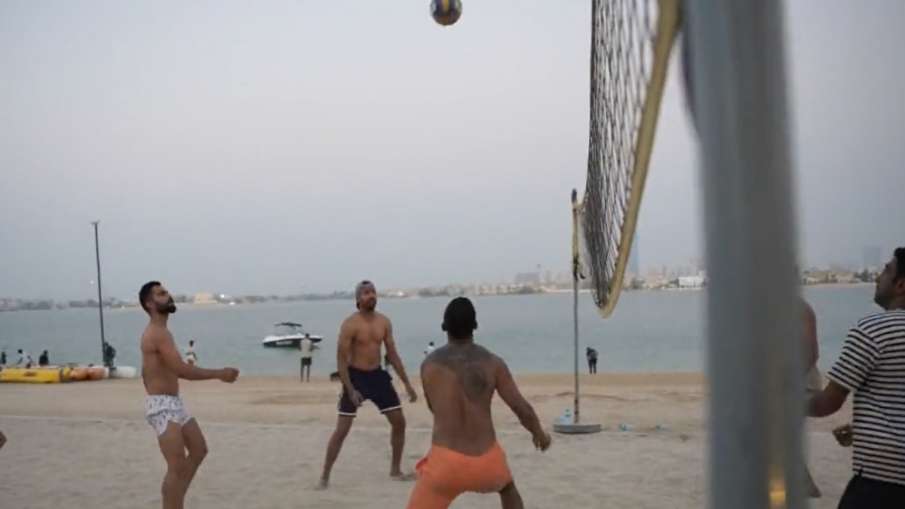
(162, 409)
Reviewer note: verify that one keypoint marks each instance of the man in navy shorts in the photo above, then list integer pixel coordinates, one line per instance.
(361, 338)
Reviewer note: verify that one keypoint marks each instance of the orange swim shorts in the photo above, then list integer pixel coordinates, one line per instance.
(444, 474)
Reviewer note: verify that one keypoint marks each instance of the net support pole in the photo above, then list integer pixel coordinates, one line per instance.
(756, 394)
(576, 268)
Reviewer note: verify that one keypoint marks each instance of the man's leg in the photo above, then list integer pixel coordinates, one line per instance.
(308, 372)
(196, 445)
(343, 425)
(301, 370)
(397, 441)
(179, 471)
(510, 498)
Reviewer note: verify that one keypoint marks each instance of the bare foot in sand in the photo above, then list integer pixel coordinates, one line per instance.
(322, 484)
(399, 476)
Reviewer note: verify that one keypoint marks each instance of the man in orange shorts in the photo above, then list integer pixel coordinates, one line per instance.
(459, 381)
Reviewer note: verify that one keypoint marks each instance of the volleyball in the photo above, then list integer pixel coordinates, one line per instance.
(446, 12)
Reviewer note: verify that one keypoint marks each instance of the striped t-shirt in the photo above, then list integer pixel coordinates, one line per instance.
(872, 365)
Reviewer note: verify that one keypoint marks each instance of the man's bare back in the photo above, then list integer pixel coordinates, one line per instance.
(459, 382)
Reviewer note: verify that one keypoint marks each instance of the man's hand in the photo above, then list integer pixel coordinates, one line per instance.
(229, 375)
(356, 398)
(542, 440)
(844, 435)
(413, 396)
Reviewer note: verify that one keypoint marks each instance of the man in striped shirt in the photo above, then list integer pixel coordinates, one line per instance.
(872, 365)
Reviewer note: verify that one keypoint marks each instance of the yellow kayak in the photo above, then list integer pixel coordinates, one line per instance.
(45, 375)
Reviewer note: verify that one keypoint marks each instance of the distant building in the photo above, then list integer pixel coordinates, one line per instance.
(691, 281)
(204, 298)
(527, 278)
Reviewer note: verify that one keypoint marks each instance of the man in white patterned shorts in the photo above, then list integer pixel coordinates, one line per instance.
(178, 434)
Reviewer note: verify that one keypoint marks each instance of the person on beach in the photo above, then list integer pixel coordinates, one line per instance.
(872, 365)
(306, 347)
(180, 438)
(44, 359)
(430, 348)
(191, 356)
(591, 354)
(24, 359)
(459, 382)
(361, 337)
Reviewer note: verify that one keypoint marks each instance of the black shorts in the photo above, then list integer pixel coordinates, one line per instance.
(306, 361)
(864, 493)
(376, 385)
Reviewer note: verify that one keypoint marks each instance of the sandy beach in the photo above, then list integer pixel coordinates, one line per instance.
(87, 444)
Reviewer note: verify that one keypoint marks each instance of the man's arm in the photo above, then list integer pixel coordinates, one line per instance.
(425, 381)
(343, 355)
(828, 401)
(397, 362)
(505, 385)
(171, 358)
(810, 346)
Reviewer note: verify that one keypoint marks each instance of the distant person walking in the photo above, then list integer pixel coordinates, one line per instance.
(191, 357)
(306, 347)
(44, 359)
(591, 354)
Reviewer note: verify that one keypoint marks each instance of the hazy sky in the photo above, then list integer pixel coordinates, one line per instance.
(301, 146)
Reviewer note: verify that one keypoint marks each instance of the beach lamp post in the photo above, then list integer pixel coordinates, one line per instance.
(100, 298)
(574, 425)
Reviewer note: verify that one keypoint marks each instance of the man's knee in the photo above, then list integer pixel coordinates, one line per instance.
(396, 418)
(179, 469)
(198, 453)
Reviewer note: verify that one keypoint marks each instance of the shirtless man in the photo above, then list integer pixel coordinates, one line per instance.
(361, 337)
(178, 434)
(459, 381)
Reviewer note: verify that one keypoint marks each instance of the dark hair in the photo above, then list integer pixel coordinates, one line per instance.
(145, 292)
(459, 319)
(900, 262)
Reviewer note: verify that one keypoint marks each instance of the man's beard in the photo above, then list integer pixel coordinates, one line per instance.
(369, 305)
(167, 309)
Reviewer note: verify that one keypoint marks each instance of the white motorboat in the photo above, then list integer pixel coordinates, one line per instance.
(289, 335)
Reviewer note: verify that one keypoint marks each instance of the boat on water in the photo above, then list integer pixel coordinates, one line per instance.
(289, 335)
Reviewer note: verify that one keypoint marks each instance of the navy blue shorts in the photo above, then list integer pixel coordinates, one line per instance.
(375, 385)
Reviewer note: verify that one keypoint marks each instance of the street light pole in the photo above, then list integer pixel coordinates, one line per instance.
(100, 298)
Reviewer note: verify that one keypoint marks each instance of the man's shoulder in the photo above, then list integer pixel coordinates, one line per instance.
(446, 354)
(153, 335)
(880, 321)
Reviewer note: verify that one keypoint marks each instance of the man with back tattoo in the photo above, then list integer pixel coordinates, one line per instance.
(459, 381)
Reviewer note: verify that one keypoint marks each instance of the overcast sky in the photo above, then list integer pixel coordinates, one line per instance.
(247, 147)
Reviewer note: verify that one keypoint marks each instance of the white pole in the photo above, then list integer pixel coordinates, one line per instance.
(756, 394)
